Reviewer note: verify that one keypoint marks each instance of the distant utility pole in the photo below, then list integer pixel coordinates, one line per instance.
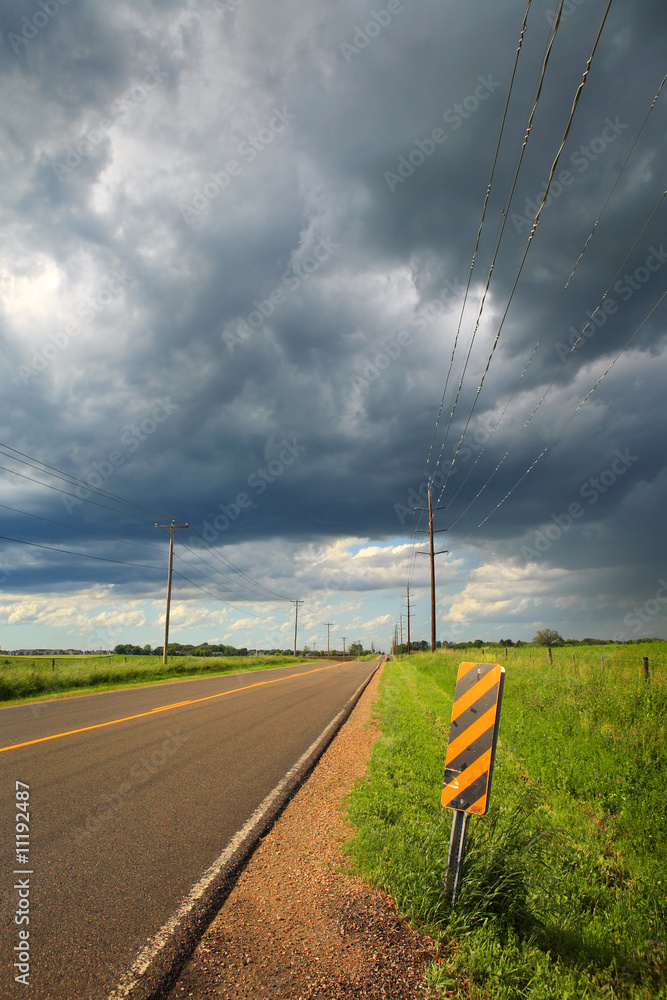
(172, 528)
(409, 616)
(344, 638)
(328, 625)
(296, 604)
(432, 554)
(401, 646)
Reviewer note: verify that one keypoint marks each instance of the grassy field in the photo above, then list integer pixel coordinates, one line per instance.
(565, 882)
(24, 678)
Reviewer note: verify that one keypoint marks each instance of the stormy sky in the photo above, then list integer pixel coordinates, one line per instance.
(238, 292)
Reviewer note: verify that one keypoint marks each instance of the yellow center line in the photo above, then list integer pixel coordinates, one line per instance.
(142, 715)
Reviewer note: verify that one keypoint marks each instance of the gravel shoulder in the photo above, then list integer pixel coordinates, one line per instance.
(297, 925)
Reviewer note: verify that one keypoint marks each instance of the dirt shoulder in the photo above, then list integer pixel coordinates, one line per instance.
(297, 926)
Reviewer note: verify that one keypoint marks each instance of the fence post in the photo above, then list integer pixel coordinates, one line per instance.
(549, 654)
(646, 673)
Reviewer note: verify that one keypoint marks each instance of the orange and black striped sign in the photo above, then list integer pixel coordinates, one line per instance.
(472, 737)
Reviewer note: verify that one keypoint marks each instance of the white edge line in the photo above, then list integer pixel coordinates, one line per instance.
(147, 955)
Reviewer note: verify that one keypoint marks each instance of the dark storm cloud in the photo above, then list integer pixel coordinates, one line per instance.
(262, 220)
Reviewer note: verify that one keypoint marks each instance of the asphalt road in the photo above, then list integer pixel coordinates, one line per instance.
(125, 816)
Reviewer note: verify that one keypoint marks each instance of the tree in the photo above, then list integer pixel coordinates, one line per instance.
(548, 637)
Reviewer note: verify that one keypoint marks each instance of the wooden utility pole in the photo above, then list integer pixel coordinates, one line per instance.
(296, 604)
(408, 591)
(432, 553)
(172, 528)
(328, 625)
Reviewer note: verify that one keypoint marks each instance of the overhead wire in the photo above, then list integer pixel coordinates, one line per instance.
(262, 591)
(243, 611)
(83, 555)
(40, 466)
(481, 224)
(529, 242)
(571, 417)
(505, 216)
(222, 558)
(565, 287)
(253, 590)
(74, 527)
(574, 346)
(412, 555)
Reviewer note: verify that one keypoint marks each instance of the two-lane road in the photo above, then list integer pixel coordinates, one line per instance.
(133, 795)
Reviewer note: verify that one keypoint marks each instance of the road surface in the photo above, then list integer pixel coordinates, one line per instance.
(132, 796)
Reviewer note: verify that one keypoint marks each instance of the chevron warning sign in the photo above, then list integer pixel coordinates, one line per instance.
(472, 737)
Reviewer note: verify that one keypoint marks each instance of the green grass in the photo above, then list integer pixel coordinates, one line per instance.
(565, 880)
(26, 678)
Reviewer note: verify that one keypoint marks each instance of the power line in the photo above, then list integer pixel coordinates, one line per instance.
(218, 555)
(581, 336)
(243, 611)
(71, 480)
(505, 216)
(39, 466)
(529, 242)
(70, 552)
(481, 226)
(562, 293)
(73, 527)
(572, 415)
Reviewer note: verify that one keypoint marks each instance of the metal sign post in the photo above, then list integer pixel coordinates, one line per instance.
(471, 751)
(457, 847)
